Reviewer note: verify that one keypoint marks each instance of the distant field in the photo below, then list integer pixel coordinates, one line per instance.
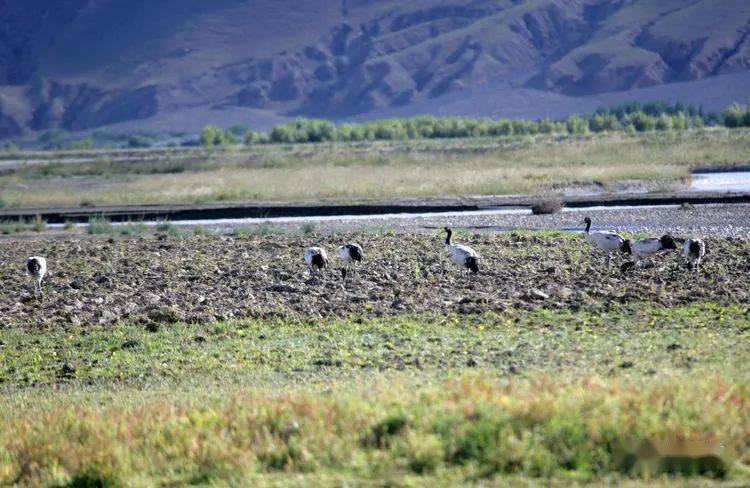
(360, 171)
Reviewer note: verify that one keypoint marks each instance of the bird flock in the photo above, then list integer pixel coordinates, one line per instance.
(643, 250)
(467, 259)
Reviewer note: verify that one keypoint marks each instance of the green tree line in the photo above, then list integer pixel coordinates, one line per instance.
(629, 117)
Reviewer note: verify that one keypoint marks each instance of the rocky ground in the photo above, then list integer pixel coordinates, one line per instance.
(725, 220)
(156, 280)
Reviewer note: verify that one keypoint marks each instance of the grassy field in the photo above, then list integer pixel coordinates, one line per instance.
(515, 396)
(548, 369)
(358, 171)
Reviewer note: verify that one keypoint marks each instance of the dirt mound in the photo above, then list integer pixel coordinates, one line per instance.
(157, 281)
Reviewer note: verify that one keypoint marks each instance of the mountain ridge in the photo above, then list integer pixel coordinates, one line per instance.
(84, 64)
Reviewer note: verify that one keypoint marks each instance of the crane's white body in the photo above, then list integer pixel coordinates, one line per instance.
(459, 253)
(645, 248)
(36, 269)
(605, 240)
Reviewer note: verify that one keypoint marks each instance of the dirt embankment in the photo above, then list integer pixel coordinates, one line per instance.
(161, 280)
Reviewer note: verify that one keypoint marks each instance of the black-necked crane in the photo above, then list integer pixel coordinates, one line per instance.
(36, 269)
(646, 248)
(316, 259)
(350, 254)
(694, 250)
(464, 257)
(608, 241)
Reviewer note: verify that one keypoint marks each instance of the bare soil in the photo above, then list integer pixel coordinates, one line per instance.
(158, 280)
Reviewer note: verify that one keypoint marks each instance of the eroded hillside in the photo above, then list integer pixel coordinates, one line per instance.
(81, 64)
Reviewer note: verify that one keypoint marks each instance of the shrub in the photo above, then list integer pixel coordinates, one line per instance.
(734, 115)
(213, 135)
(99, 225)
(663, 122)
(576, 125)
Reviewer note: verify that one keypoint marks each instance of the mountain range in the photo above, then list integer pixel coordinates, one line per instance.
(176, 65)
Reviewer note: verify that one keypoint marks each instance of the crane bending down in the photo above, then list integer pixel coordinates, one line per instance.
(36, 269)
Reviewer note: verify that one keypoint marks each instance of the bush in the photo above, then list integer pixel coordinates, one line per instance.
(213, 135)
(99, 225)
(734, 115)
(576, 125)
(664, 122)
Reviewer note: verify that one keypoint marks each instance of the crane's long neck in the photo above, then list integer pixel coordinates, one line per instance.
(448, 238)
(588, 226)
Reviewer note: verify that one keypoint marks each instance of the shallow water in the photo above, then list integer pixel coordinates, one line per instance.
(730, 181)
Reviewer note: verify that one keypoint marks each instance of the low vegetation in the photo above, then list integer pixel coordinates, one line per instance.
(8, 227)
(565, 396)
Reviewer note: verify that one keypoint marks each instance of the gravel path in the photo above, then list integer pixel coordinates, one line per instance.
(721, 220)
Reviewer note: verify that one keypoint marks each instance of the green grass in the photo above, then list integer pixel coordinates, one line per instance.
(377, 170)
(515, 396)
(9, 227)
(272, 349)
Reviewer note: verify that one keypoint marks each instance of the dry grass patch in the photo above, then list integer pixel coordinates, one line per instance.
(380, 170)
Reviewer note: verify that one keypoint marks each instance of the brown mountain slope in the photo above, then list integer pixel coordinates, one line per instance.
(79, 64)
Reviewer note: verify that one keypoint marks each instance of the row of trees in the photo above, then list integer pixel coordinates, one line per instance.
(631, 117)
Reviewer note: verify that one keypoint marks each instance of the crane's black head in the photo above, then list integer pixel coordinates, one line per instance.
(627, 266)
(448, 237)
(626, 247)
(472, 264)
(668, 242)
